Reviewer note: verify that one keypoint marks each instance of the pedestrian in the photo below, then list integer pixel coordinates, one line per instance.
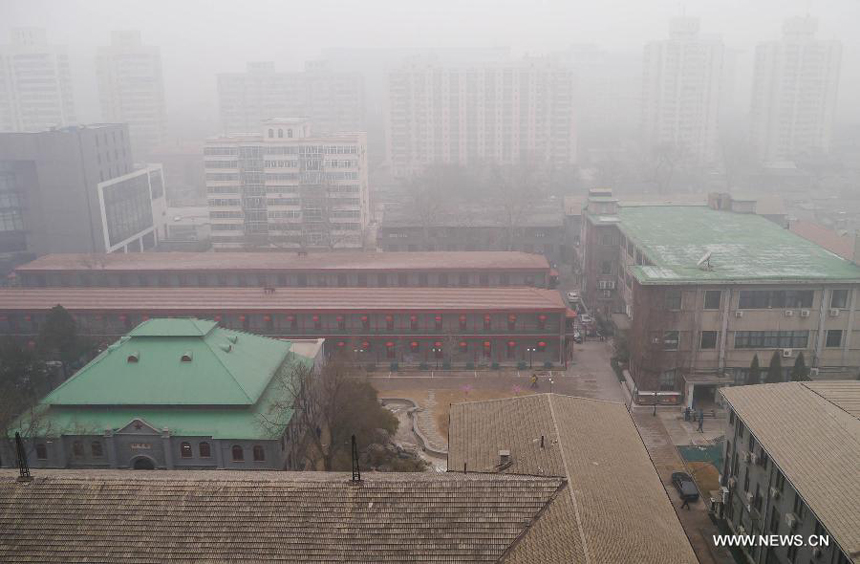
(686, 503)
(701, 421)
(534, 381)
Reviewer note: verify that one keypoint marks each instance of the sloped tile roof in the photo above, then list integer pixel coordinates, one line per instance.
(616, 509)
(334, 261)
(70, 516)
(811, 432)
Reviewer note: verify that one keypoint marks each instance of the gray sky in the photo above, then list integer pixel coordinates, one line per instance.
(201, 38)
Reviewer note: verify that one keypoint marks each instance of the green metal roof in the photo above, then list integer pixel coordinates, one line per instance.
(743, 247)
(225, 391)
(225, 367)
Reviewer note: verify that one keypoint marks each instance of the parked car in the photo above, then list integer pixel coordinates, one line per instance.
(573, 297)
(577, 337)
(685, 485)
(586, 319)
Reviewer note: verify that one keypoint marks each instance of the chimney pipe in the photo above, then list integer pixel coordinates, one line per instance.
(541, 441)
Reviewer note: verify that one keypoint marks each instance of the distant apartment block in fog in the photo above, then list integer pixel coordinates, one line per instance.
(287, 188)
(74, 189)
(681, 81)
(131, 90)
(334, 101)
(35, 83)
(794, 92)
(502, 112)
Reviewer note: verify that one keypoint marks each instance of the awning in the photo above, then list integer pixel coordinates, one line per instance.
(570, 314)
(553, 272)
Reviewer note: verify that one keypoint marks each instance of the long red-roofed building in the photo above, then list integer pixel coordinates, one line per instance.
(460, 326)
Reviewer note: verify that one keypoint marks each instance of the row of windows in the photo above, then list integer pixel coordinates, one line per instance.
(757, 339)
(761, 299)
(185, 451)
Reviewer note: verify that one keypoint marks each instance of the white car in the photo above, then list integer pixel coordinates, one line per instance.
(573, 297)
(586, 319)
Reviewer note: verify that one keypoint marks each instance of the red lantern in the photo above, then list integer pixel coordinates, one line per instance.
(389, 318)
(316, 318)
(512, 317)
(341, 344)
(267, 318)
(364, 318)
(218, 318)
(389, 344)
(144, 317)
(542, 317)
(512, 344)
(541, 344)
(413, 318)
(462, 318)
(487, 344)
(487, 317)
(27, 318)
(365, 345)
(242, 318)
(340, 318)
(437, 344)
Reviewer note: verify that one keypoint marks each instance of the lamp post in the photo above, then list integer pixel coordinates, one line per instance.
(530, 351)
(655, 405)
(436, 351)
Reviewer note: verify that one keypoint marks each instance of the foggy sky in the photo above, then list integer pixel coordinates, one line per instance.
(200, 38)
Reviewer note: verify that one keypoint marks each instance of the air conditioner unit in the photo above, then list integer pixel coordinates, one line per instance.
(733, 482)
(745, 457)
(739, 314)
(753, 458)
(804, 313)
(774, 493)
(724, 494)
(790, 520)
(786, 353)
(834, 312)
(813, 372)
(789, 313)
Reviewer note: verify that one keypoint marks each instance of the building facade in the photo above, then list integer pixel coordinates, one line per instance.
(792, 467)
(275, 270)
(502, 112)
(333, 101)
(795, 86)
(75, 189)
(466, 327)
(287, 188)
(131, 90)
(140, 404)
(35, 83)
(701, 290)
(681, 81)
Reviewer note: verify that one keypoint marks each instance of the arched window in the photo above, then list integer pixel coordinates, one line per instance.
(78, 449)
(185, 450)
(238, 454)
(281, 133)
(41, 451)
(290, 133)
(259, 453)
(271, 133)
(205, 451)
(96, 449)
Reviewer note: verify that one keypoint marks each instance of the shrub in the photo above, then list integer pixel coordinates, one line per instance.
(470, 366)
(370, 366)
(446, 365)
(424, 366)
(521, 365)
(394, 366)
(547, 364)
(495, 366)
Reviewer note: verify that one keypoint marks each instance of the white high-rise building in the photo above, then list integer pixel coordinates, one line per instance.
(332, 101)
(681, 81)
(131, 89)
(795, 85)
(502, 112)
(287, 188)
(35, 83)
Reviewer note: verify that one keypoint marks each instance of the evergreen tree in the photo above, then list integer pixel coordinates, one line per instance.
(800, 372)
(754, 375)
(774, 370)
(58, 338)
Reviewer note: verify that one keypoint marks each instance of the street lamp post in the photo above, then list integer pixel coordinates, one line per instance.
(530, 351)
(436, 352)
(655, 405)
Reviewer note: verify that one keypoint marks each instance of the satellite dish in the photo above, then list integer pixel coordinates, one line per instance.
(705, 261)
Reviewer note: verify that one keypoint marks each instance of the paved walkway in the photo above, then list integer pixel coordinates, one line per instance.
(686, 433)
(696, 521)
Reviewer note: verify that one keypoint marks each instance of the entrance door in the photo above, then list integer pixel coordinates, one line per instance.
(143, 463)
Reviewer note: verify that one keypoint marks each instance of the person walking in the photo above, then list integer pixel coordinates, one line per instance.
(534, 381)
(701, 421)
(686, 503)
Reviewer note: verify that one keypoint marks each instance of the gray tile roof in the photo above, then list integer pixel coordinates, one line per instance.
(228, 516)
(615, 509)
(811, 431)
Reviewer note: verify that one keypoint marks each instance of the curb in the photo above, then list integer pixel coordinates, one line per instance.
(425, 442)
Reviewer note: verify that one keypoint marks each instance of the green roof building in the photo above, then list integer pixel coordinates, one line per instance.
(702, 289)
(174, 393)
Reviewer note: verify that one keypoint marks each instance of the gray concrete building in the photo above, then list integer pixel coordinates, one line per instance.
(792, 467)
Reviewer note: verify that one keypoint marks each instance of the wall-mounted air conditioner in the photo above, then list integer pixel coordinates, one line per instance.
(834, 312)
(789, 313)
(813, 372)
(804, 313)
(739, 314)
(786, 353)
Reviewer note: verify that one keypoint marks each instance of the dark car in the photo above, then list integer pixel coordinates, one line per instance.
(685, 485)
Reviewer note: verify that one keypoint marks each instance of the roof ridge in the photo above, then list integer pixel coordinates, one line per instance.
(227, 370)
(533, 520)
(572, 492)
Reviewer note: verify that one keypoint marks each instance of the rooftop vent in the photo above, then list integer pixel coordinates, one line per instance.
(187, 356)
(505, 460)
(133, 357)
(226, 347)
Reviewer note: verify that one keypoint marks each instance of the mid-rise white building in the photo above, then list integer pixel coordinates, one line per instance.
(287, 188)
(681, 81)
(131, 90)
(502, 112)
(35, 83)
(333, 101)
(794, 92)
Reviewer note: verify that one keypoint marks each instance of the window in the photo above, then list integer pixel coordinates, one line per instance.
(487, 322)
(747, 479)
(834, 338)
(670, 340)
(365, 322)
(766, 299)
(402, 280)
(709, 340)
(205, 451)
(606, 267)
(667, 380)
(463, 280)
(341, 280)
(504, 279)
(413, 322)
(437, 322)
(483, 280)
(382, 280)
(771, 339)
(712, 299)
(41, 451)
(259, 453)
(389, 322)
(672, 299)
(512, 322)
(443, 280)
(839, 299)
(238, 454)
(463, 324)
(78, 449)
(96, 449)
(422, 279)
(362, 280)
(779, 481)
